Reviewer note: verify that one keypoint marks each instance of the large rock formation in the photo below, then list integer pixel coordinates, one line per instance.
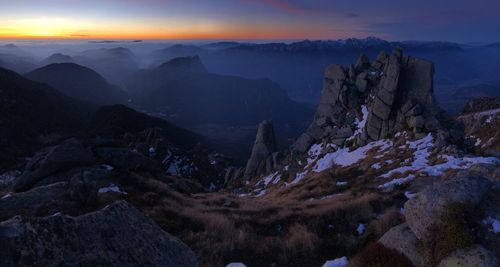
(263, 158)
(368, 102)
(117, 235)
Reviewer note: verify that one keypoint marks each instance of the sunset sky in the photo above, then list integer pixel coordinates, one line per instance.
(452, 20)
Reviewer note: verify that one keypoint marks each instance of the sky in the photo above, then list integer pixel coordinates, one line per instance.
(425, 20)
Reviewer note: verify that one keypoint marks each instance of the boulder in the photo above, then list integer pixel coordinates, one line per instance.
(71, 153)
(402, 239)
(118, 235)
(425, 209)
(29, 202)
(477, 256)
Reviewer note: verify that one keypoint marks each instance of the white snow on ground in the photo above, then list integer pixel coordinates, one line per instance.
(260, 192)
(376, 166)
(274, 177)
(6, 196)
(360, 229)
(409, 195)
(495, 224)
(344, 157)
(341, 183)
(298, 177)
(360, 125)
(107, 167)
(111, 188)
(340, 262)
(420, 162)
(398, 181)
(236, 264)
(277, 179)
(478, 142)
(489, 119)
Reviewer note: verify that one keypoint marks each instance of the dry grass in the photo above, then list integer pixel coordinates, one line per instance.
(284, 227)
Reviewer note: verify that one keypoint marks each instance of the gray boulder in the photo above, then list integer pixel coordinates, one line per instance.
(118, 235)
(71, 153)
(29, 202)
(476, 256)
(426, 208)
(402, 239)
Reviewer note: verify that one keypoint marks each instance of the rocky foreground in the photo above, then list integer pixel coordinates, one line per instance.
(382, 177)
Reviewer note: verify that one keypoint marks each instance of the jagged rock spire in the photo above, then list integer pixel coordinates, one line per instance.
(262, 159)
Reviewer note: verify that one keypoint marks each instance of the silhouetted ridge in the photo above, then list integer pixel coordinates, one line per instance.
(58, 58)
(183, 64)
(30, 112)
(79, 82)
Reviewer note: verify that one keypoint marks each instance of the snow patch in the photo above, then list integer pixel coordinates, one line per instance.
(421, 163)
(111, 188)
(360, 125)
(344, 157)
(495, 224)
(409, 195)
(398, 181)
(236, 264)
(376, 166)
(361, 229)
(7, 195)
(339, 262)
(341, 183)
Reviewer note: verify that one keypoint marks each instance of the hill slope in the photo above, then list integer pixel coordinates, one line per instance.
(78, 82)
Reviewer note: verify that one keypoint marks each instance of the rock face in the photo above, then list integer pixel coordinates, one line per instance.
(426, 208)
(118, 235)
(395, 90)
(263, 157)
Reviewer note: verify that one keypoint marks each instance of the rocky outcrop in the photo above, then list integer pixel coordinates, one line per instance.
(117, 235)
(32, 201)
(64, 156)
(440, 220)
(367, 102)
(264, 157)
(425, 209)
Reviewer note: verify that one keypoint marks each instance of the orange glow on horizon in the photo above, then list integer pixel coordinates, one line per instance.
(62, 28)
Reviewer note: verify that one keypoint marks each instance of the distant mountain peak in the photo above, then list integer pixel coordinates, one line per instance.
(58, 58)
(184, 64)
